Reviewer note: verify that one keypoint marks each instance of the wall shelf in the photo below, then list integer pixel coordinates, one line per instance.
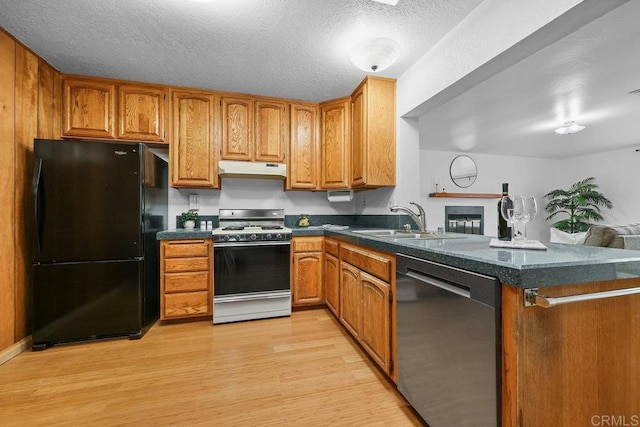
(467, 195)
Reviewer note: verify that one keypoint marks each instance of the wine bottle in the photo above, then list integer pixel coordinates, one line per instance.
(504, 231)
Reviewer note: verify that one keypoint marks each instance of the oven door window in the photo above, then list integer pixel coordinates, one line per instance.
(245, 269)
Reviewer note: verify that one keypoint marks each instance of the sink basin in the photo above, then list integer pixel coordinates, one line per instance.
(402, 234)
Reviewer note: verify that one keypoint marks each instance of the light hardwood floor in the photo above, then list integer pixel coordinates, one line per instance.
(301, 370)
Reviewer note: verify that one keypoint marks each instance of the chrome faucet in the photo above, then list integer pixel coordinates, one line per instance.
(420, 218)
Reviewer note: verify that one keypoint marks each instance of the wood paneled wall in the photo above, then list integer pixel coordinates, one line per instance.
(7, 193)
(29, 108)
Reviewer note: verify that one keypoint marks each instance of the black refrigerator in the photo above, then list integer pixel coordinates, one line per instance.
(97, 209)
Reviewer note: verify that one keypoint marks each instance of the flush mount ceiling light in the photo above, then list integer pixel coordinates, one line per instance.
(375, 55)
(390, 2)
(569, 127)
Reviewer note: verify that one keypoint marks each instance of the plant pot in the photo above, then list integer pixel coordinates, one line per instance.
(189, 225)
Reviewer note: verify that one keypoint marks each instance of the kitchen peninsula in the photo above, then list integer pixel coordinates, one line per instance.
(561, 365)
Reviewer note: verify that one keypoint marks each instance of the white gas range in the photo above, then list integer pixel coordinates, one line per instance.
(251, 265)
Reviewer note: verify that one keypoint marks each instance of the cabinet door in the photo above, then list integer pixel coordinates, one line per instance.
(272, 133)
(374, 335)
(186, 278)
(335, 142)
(307, 278)
(237, 128)
(358, 131)
(374, 133)
(88, 109)
(332, 283)
(303, 152)
(141, 112)
(350, 297)
(192, 146)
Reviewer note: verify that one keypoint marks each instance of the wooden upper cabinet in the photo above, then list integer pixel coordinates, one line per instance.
(271, 131)
(237, 126)
(303, 147)
(141, 113)
(358, 130)
(192, 148)
(335, 142)
(88, 108)
(373, 137)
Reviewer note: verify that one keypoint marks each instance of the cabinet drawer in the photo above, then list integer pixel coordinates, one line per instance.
(307, 244)
(186, 264)
(373, 264)
(183, 282)
(331, 247)
(186, 248)
(186, 304)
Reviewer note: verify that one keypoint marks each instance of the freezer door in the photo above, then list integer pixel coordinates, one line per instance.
(87, 199)
(81, 301)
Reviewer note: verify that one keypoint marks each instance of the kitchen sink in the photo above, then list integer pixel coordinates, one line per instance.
(403, 234)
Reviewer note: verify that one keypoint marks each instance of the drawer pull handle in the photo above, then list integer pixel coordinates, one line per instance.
(533, 298)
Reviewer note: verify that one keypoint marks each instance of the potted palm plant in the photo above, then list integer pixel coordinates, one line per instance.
(581, 202)
(189, 219)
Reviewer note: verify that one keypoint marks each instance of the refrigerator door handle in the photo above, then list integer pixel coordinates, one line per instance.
(37, 174)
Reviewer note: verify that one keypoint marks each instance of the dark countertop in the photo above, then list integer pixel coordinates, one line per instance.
(181, 233)
(560, 264)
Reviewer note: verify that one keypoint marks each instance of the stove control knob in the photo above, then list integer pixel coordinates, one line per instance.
(225, 238)
(268, 236)
(278, 236)
(253, 237)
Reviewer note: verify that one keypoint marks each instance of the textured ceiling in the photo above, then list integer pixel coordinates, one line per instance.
(295, 49)
(586, 77)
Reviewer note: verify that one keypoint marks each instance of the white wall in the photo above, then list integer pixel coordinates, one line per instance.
(241, 193)
(526, 176)
(617, 174)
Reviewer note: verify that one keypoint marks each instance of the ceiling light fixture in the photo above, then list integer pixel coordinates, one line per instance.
(389, 2)
(375, 55)
(568, 128)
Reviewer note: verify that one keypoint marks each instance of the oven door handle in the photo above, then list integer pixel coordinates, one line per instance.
(249, 244)
(221, 299)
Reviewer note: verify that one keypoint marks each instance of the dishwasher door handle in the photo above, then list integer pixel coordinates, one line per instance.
(463, 291)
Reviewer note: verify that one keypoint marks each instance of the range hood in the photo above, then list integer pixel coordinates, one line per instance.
(236, 169)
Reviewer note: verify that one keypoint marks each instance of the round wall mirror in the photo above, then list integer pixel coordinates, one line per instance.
(463, 171)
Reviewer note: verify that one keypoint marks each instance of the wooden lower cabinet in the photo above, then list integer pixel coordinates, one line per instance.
(575, 364)
(186, 279)
(366, 301)
(306, 271)
(331, 273)
(375, 326)
(332, 283)
(350, 298)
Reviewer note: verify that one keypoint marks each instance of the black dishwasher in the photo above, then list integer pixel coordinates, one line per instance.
(449, 345)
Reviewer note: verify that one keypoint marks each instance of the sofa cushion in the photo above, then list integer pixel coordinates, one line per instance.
(600, 235)
(559, 236)
(632, 242)
(623, 230)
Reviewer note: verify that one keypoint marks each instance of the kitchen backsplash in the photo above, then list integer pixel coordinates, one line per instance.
(359, 221)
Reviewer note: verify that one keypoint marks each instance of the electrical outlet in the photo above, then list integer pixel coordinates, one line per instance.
(364, 202)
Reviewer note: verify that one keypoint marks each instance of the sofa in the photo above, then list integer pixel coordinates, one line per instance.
(611, 236)
(614, 236)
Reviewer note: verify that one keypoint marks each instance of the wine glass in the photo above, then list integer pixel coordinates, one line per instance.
(529, 211)
(511, 210)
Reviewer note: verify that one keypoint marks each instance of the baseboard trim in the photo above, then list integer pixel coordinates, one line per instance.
(11, 352)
